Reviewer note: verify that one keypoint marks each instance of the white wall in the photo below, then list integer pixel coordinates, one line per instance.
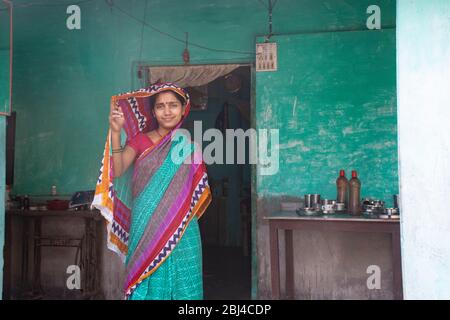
(2, 194)
(423, 82)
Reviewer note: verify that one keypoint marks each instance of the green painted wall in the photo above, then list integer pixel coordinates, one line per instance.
(63, 78)
(4, 58)
(333, 100)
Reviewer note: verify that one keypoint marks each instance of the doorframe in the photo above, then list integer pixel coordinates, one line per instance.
(140, 65)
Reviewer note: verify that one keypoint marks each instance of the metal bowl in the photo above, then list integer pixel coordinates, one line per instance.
(328, 206)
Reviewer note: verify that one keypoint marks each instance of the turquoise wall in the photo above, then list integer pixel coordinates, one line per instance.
(333, 100)
(4, 58)
(63, 78)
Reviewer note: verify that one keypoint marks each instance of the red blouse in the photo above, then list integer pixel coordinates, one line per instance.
(140, 142)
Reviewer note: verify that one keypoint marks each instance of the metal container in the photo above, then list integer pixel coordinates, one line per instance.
(340, 206)
(328, 206)
(371, 206)
(390, 213)
(312, 201)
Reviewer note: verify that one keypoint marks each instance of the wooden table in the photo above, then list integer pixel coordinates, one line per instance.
(289, 221)
(86, 243)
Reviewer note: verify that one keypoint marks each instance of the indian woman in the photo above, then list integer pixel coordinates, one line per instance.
(152, 189)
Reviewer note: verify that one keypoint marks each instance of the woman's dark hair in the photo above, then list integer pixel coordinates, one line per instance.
(152, 99)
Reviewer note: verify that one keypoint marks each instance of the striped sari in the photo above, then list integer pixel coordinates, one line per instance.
(152, 210)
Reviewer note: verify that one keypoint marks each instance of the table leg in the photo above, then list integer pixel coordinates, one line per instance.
(289, 265)
(7, 254)
(24, 267)
(274, 262)
(397, 266)
(91, 267)
(37, 289)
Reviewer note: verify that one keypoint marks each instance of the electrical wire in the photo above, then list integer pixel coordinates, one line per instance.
(267, 6)
(176, 38)
(142, 31)
(46, 4)
(143, 22)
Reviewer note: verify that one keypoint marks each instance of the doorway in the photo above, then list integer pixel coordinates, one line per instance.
(222, 104)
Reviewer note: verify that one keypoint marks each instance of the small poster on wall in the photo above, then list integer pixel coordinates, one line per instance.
(266, 56)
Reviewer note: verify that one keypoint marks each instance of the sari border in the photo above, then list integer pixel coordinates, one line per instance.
(150, 268)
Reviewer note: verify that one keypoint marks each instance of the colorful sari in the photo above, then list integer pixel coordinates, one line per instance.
(161, 196)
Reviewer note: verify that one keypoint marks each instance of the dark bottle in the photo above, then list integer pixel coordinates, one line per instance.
(354, 205)
(342, 188)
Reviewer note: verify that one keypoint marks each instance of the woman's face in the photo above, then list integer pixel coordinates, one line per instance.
(168, 110)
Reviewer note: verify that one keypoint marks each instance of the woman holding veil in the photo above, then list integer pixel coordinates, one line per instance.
(152, 191)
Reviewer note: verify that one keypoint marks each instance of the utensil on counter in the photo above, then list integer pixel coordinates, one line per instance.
(312, 201)
(307, 212)
(340, 206)
(371, 206)
(328, 206)
(311, 205)
(390, 213)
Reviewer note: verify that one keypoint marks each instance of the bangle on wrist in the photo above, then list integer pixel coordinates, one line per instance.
(117, 150)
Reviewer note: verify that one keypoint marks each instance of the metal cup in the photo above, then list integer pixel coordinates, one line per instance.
(312, 200)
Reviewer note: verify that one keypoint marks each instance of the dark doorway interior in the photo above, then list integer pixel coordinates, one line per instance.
(226, 224)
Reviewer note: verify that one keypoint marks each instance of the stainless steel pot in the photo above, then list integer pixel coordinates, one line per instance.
(312, 201)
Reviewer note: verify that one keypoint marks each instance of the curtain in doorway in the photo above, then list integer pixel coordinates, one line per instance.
(189, 76)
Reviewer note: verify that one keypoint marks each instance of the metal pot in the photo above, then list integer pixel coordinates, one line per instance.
(328, 206)
(340, 206)
(312, 201)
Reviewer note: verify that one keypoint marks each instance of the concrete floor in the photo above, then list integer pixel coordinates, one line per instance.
(226, 276)
(226, 273)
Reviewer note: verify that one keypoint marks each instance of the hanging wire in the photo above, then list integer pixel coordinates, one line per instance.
(142, 39)
(176, 38)
(269, 7)
(46, 4)
(142, 31)
(266, 5)
(144, 23)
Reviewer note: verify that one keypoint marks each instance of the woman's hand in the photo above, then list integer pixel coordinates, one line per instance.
(116, 118)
